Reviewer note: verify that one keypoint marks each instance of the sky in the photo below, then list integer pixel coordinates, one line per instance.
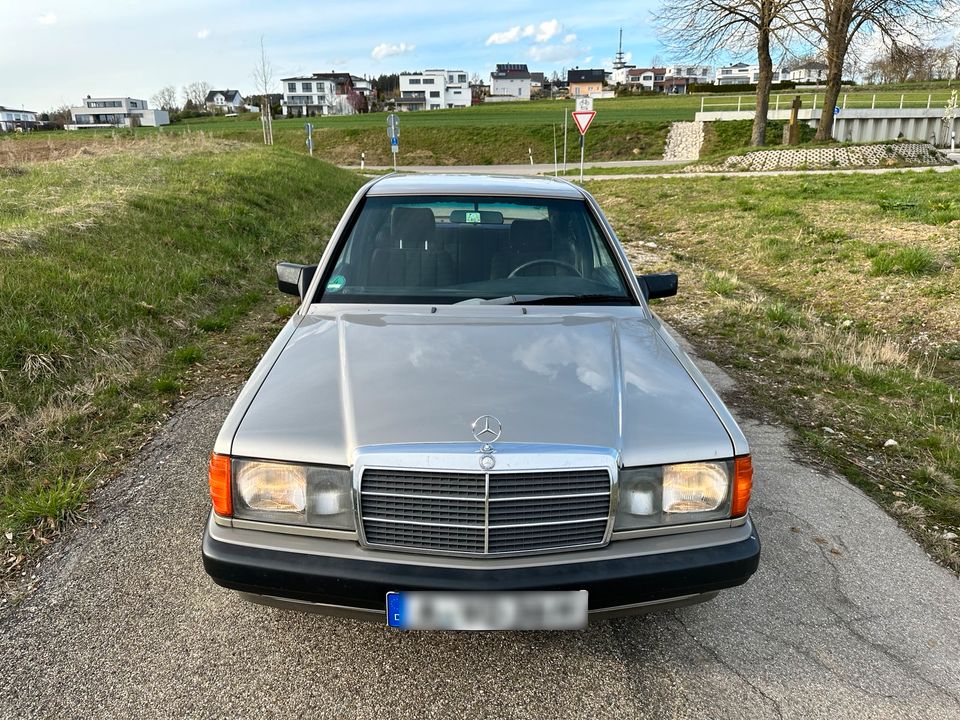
(58, 51)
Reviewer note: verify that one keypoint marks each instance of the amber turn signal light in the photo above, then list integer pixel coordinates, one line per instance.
(220, 484)
(742, 485)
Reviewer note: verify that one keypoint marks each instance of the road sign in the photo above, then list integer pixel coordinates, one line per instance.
(393, 126)
(584, 104)
(394, 144)
(583, 118)
(836, 109)
(309, 129)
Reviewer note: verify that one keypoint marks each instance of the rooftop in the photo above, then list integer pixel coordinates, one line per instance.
(465, 184)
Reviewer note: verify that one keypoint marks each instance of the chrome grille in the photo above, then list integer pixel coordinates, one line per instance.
(484, 513)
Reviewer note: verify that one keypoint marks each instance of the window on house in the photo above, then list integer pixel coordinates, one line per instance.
(434, 93)
(449, 78)
(428, 81)
(414, 81)
(291, 87)
(519, 91)
(307, 87)
(434, 107)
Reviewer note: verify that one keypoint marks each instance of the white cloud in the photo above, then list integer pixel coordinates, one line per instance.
(203, 34)
(541, 32)
(47, 19)
(587, 59)
(510, 36)
(567, 39)
(548, 29)
(385, 50)
(555, 53)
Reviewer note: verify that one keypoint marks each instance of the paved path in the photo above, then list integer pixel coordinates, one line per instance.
(846, 618)
(548, 170)
(539, 169)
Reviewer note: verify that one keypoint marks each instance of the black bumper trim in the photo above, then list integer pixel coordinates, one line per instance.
(364, 584)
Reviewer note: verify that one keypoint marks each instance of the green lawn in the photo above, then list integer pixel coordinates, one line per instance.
(836, 299)
(119, 273)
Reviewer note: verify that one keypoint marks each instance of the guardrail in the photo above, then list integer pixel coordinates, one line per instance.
(873, 101)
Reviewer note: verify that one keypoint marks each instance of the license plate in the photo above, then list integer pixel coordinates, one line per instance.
(553, 610)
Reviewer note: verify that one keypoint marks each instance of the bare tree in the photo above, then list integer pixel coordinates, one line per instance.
(263, 79)
(837, 23)
(166, 98)
(196, 93)
(703, 30)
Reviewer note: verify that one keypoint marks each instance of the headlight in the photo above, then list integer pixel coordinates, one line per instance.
(673, 494)
(293, 494)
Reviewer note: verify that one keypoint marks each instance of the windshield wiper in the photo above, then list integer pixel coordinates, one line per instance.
(547, 300)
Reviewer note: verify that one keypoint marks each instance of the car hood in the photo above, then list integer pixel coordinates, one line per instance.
(350, 379)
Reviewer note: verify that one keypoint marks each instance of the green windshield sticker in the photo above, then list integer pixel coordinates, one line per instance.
(336, 283)
(473, 217)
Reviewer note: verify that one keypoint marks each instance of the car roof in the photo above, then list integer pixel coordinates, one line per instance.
(464, 184)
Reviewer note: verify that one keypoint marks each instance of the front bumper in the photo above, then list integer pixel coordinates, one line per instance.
(627, 573)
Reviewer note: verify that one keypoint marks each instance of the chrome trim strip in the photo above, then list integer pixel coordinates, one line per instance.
(480, 527)
(306, 530)
(486, 513)
(675, 529)
(220, 520)
(550, 497)
(422, 524)
(449, 498)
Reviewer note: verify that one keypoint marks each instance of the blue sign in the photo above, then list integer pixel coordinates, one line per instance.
(395, 616)
(394, 141)
(836, 109)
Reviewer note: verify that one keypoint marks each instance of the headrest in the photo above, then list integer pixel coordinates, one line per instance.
(412, 226)
(531, 235)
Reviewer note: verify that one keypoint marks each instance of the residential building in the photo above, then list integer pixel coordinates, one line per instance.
(743, 74)
(684, 75)
(585, 82)
(308, 96)
(362, 86)
(648, 79)
(809, 72)
(536, 84)
(224, 101)
(115, 112)
(434, 89)
(510, 80)
(17, 120)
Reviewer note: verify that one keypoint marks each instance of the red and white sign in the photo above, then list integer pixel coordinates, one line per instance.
(583, 118)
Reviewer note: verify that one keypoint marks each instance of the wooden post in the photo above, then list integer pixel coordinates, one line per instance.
(901, 102)
(739, 98)
(929, 98)
(793, 128)
(873, 102)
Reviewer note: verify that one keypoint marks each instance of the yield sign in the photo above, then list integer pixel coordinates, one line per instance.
(583, 118)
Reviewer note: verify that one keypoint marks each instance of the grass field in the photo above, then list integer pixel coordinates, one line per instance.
(120, 270)
(836, 300)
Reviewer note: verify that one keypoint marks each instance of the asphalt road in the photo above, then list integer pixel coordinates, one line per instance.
(846, 618)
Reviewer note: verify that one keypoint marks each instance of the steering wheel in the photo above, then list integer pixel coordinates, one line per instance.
(546, 261)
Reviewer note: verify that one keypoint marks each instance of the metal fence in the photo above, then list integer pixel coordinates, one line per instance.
(814, 101)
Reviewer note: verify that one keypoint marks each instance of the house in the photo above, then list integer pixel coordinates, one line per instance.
(434, 89)
(510, 81)
(743, 74)
(115, 112)
(308, 96)
(536, 84)
(585, 82)
(809, 72)
(17, 120)
(224, 101)
(677, 78)
(362, 86)
(646, 79)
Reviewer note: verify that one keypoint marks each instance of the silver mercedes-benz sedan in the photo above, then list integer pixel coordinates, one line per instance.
(474, 420)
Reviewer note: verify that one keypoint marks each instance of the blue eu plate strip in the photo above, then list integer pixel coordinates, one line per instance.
(395, 615)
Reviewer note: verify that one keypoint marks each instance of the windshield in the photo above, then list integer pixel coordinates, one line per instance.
(444, 250)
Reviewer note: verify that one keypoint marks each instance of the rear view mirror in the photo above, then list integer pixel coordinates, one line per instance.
(294, 279)
(658, 285)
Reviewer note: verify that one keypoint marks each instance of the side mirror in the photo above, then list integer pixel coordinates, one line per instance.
(294, 279)
(658, 285)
